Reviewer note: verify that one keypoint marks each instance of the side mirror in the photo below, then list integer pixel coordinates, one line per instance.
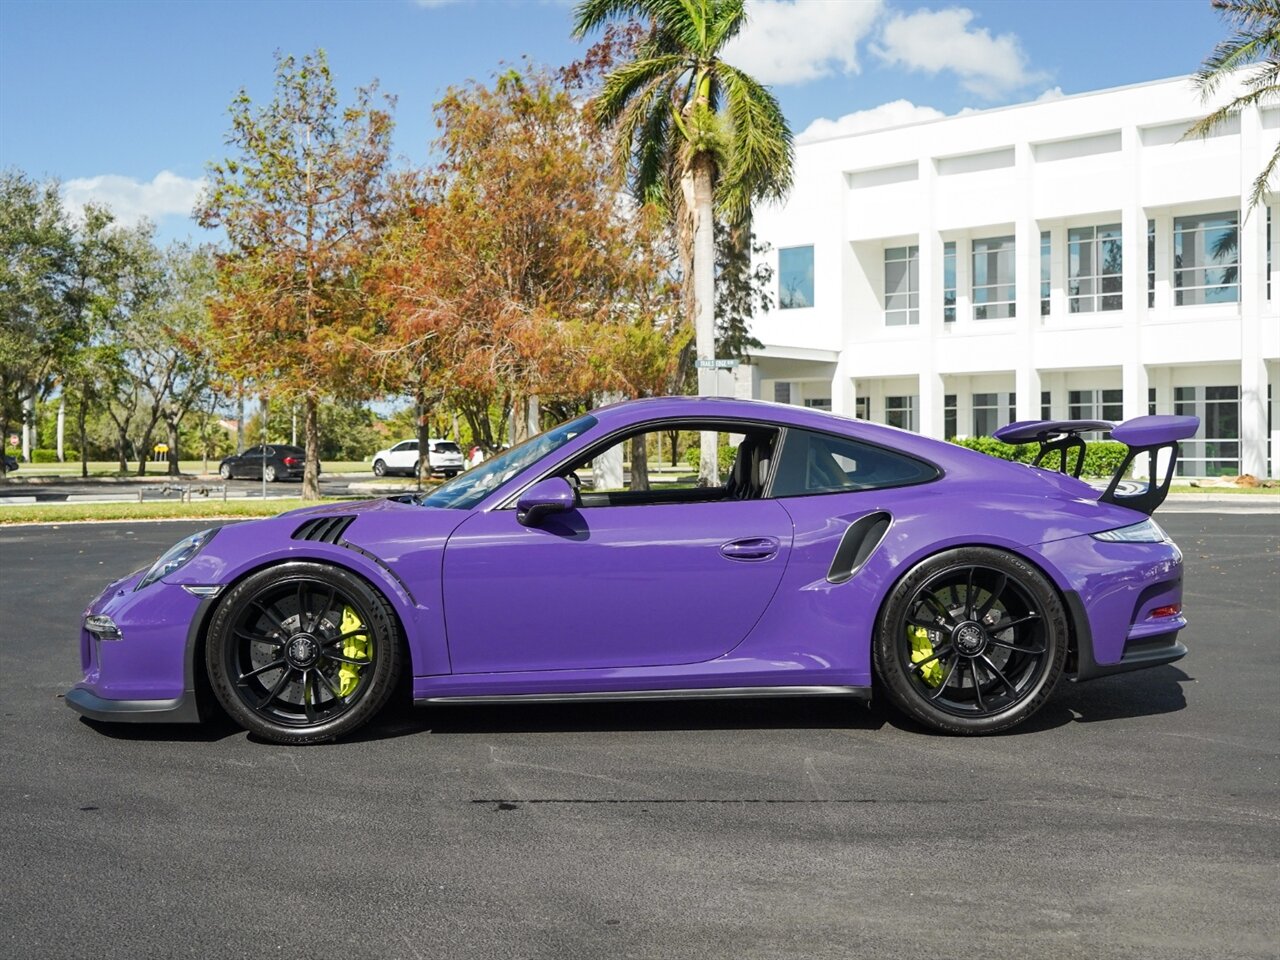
(552, 495)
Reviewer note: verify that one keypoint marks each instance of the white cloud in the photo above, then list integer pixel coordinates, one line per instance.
(432, 4)
(1053, 93)
(795, 41)
(936, 40)
(896, 113)
(131, 200)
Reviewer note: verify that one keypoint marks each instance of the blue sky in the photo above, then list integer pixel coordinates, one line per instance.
(125, 102)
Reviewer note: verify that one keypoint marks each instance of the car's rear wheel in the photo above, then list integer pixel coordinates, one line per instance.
(971, 641)
(224, 471)
(379, 468)
(303, 652)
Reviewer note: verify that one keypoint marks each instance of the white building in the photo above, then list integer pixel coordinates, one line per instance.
(1064, 258)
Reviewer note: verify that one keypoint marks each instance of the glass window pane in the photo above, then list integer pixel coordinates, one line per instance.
(795, 277)
(819, 463)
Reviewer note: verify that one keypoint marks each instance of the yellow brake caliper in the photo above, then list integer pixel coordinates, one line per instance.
(355, 647)
(922, 649)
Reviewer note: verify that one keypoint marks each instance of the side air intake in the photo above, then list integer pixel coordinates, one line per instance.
(323, 529)
(862, 537)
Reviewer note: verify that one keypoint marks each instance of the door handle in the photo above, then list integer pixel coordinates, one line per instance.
(750, 548)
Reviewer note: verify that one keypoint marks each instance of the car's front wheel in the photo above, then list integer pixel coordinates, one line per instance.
(379, 468)
(224, 471)
(971, 641)
(302, 653)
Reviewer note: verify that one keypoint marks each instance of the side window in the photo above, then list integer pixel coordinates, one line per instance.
(660, 465)
(821, 463)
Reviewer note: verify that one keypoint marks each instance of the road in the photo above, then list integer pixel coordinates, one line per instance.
(1134, 817)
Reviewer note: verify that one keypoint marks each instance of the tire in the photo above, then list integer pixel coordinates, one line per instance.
(269, 474)
(224, 471)
(450, 474)
(280, 653)
(942, 655)
(379, 468)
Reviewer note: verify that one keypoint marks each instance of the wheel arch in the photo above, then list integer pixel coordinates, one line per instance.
(196, 671)
(1076, 631)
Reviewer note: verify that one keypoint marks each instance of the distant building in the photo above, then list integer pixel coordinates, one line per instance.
(1062, 258)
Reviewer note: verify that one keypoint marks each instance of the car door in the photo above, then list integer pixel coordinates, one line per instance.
(243, 467)
(403, 455)
(611, 586)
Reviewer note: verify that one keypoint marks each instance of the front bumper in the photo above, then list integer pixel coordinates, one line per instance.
(146, 675)
(88, 704)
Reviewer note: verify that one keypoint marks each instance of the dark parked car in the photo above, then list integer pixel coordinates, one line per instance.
(10, 463)
(273, 462)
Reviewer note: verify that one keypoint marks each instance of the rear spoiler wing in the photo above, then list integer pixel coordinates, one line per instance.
(1141, 435)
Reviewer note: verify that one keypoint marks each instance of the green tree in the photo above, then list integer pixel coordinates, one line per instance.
(40, 316)
(302, 205)
(698, 135)
(1254, 44)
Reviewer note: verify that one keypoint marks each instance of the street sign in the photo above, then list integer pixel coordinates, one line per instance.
(716, 364)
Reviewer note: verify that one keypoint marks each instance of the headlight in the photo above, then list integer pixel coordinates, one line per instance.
(1148, 531)
(176, 557)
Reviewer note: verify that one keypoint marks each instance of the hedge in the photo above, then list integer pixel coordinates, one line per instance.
(45, 455)
(726, 455)
(1101, 459)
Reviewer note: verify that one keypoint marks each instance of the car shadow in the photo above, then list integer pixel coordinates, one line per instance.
(747, 714)
(1143, 693)
(208, 731)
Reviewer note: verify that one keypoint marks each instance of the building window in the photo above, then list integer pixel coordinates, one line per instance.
(795, 277)
(949, 418)
(949, 281)
(862, 408)
(991, 411)
(901, 286)
(818, 403)
(900, 412)
(1206, 259)
(781, 391)
(1046, 405)
(1094, 269)
(994, 290)
(1151, 401)
(1044, 273)
(1151, 263)
(1095, 404)
(1215, 451)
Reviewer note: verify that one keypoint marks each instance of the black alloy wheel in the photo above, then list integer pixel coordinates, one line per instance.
(303, 653)
(971, 641)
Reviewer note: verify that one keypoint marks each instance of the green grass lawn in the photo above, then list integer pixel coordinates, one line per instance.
(152, 510)
(109, 468)
(1187, 488)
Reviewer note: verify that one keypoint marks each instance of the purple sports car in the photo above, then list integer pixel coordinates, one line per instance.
(834, 551)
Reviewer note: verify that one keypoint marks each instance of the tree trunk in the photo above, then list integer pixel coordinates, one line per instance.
(310, 472)
(172, 424)
(640, 462)
(82, 413)
(424, 437)
(4, 444)
(240, 420)
(704, 259)
(62, 428)
(122, 447)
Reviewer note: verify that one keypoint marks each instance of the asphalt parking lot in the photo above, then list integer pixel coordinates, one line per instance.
(1137, 816)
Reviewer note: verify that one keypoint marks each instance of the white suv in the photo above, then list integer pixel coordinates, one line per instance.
(445, 458)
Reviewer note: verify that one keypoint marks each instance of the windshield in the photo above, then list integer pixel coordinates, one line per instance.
(467, 489)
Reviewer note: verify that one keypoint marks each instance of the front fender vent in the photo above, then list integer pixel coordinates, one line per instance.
(323, 529)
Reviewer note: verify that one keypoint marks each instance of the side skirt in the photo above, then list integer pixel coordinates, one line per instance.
(706, 693)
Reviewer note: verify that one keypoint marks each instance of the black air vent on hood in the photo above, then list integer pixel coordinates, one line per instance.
(323, 529)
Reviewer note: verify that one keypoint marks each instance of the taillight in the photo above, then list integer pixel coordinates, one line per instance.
(1171, 610)
(290, 462)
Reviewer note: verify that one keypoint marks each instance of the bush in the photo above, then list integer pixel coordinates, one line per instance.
(44, 455)
(726, 455)
(1101, 458)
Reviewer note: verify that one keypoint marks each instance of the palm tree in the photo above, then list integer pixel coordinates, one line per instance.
(1255, 43)
(697, 135)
